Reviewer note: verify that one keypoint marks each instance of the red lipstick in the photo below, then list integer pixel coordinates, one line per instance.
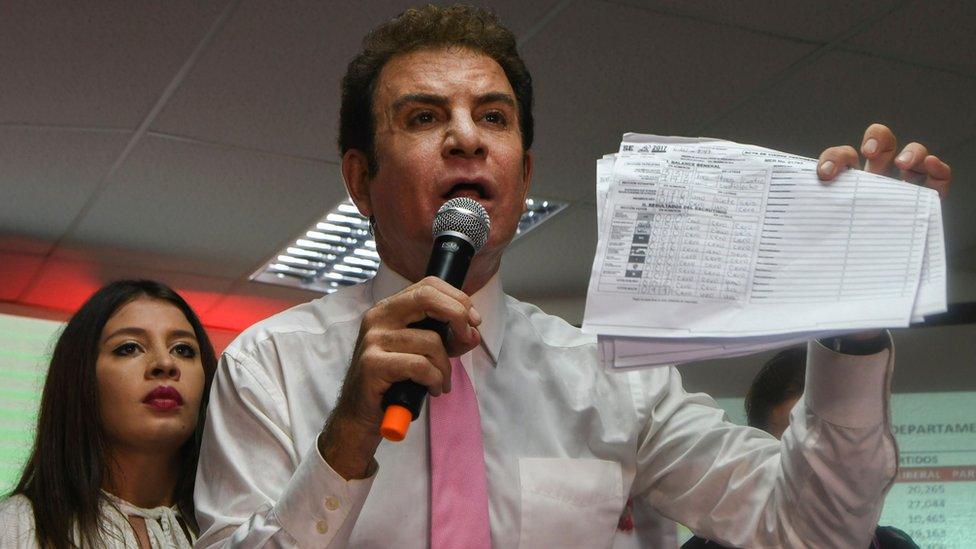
(164, 398)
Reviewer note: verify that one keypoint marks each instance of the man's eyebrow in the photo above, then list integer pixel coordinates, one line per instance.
(440, 100)
(497, 97)
(428, 98)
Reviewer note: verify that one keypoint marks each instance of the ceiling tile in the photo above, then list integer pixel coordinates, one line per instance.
(834, 99)
(48, 175)
(249, 302)
(555, 259)
(18, 243)
(209, 210)
(16, 272)
(80, 251)
(270, 81)
(818, 21)
(94, 63)
(601, 70)
(939, 34)
(65, 285)
(220, 338)
(957, 208)
(962, 280)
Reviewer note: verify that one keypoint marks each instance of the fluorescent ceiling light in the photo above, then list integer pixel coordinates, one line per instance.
(339, 250)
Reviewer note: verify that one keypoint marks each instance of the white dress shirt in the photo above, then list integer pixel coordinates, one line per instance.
(566, 442)
(163, 526)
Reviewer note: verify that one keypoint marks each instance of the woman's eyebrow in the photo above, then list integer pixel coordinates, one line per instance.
(128, 330)
(183, 333)
(132, 330)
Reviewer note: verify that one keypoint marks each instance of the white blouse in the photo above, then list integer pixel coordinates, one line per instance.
(162, 525)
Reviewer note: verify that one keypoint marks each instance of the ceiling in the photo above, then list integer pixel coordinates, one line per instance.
(189, 141)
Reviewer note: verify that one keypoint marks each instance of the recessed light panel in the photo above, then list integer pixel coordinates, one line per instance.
(339, 249)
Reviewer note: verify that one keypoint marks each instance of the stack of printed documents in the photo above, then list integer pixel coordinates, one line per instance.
(709, 248)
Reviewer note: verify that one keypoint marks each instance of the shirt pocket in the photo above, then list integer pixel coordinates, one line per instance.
(569, 502)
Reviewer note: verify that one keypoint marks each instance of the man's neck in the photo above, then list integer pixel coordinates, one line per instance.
(482, 268)
(477, 278)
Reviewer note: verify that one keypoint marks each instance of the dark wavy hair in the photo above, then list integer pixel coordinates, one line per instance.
(781, 377)
(418, 28)
(64, 475)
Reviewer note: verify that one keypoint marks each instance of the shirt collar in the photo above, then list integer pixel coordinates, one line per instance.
(489, 301)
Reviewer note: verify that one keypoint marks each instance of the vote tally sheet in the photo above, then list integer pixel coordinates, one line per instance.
(710, 248)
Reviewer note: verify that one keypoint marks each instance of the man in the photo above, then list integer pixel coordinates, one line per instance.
(772, 396)
(438, 105)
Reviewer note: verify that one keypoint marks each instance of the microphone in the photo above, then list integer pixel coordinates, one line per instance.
(460, 230)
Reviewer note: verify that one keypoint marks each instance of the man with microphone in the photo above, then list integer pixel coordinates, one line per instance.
(524, 440)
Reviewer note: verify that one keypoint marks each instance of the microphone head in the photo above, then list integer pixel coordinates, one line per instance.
(465, 217)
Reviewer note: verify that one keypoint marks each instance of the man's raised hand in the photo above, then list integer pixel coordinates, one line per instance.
(389, 350)
(913, 163)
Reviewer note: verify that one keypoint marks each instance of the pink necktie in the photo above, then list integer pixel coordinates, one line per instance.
(458, 484)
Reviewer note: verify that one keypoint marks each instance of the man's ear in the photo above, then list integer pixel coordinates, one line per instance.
(355, 174)
(527, 165)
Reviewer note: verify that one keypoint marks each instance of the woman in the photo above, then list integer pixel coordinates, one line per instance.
(119, 426)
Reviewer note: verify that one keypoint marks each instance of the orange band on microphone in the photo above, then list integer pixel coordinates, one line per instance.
(396, 421)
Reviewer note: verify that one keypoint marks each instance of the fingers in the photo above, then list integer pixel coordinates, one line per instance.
(878, 147)
(457, 346)
(916, 165)
(938, 175)
(385, 368)
(912, 155)
(835, 160)
(423, 343)
(391, 349)
(452, 292)
(432, 298)
(445, 303)
(910, 162)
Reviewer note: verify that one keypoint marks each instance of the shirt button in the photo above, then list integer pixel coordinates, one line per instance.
(322, 526)
(331, 503)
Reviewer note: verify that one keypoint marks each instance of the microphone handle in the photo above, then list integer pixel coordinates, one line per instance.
(448, 261)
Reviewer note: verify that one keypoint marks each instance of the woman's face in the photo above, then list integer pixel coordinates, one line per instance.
(150, 377)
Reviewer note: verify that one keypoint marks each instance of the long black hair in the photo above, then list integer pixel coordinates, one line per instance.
(67, 468)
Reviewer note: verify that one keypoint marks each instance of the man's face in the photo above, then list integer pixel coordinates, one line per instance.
(446, 126)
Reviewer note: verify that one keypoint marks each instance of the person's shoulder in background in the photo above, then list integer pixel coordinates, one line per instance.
(885, 537)
(889, 537)
(701, 543)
